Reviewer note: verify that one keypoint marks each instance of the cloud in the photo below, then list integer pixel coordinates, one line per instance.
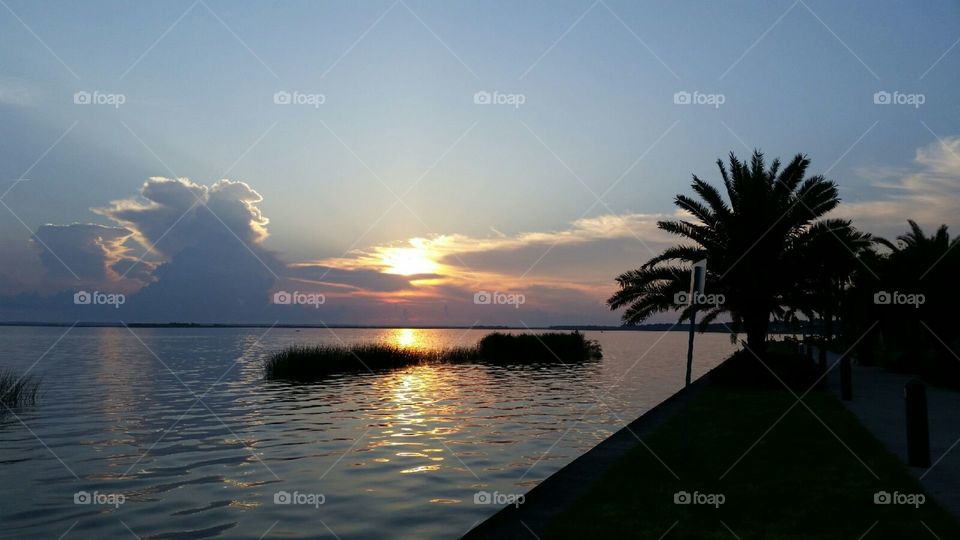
(202, 260)
(177, 213)
(212, 266)
(581, 253)
(565, 274)
(90, 252)
(352, 279)
(467, 256)
(926, 192)
(584, 230)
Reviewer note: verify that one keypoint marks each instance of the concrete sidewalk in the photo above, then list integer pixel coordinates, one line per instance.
(878, 403)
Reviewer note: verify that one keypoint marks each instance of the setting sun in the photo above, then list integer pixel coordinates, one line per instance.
(408, 261)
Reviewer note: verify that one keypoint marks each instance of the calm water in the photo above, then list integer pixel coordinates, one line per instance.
(180, 423)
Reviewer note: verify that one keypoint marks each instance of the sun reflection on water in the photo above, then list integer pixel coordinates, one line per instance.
(417, 413)
(408, 337)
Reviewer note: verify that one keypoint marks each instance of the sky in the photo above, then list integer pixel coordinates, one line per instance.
(409, 162)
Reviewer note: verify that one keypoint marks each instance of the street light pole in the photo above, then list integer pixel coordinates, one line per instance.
(697, 278)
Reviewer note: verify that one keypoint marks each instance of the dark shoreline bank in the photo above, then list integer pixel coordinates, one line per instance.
(562, 488)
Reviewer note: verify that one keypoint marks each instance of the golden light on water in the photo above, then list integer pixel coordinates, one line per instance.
(408, 337)
(417, 413)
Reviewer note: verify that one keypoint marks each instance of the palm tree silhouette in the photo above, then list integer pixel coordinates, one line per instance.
(926, 265)
(759, 242)
(917, 244)
(838, 252)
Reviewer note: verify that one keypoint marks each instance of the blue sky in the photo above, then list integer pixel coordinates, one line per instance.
(398, 118)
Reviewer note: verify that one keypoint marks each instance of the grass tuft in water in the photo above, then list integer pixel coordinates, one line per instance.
(313, 362)
(549, 348)
(17, 390)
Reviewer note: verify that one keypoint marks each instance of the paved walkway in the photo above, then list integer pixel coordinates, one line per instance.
(878, 403)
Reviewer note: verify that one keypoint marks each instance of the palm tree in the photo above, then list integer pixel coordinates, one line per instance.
(825, 278)
(917, 244)
(925, 265)
(758, 242)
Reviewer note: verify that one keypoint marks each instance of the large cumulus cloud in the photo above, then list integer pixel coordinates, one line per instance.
(181, 251)
(208, 240)
(174, 214)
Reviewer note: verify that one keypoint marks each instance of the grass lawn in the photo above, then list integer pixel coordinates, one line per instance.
(798, 481)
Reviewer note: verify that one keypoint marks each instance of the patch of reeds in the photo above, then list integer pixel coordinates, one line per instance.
(17, 390)
(313, 362)
(565, 348)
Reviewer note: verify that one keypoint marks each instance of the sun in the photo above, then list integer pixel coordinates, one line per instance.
(408, 261)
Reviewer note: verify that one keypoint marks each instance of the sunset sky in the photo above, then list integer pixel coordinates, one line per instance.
(390, 186)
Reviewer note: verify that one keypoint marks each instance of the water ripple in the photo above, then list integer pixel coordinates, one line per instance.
(392, 454)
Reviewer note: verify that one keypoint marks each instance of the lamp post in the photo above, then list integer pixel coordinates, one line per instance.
(698, 275)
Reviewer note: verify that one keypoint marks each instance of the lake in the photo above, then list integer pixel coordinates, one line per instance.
(173, 433)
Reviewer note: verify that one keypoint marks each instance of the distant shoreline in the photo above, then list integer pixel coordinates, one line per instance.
(654, 327)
